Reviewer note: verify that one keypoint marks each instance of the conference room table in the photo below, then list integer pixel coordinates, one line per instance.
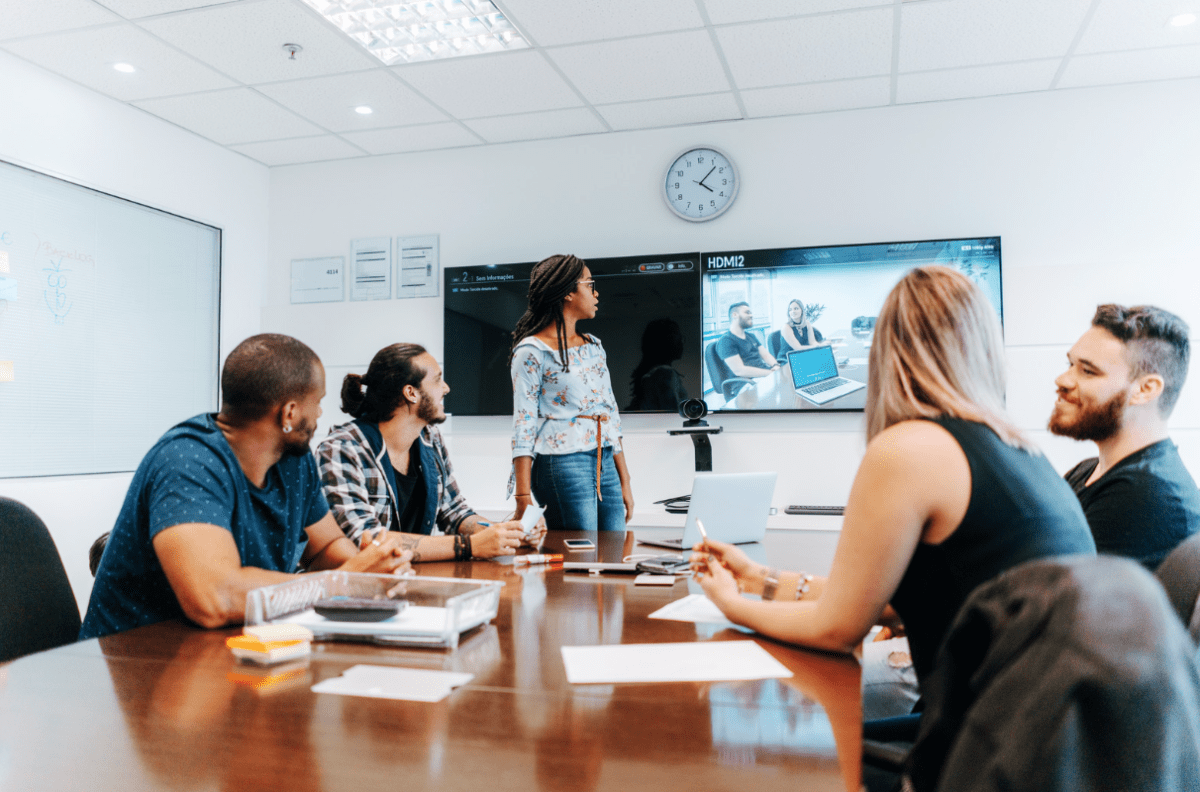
(167, 706)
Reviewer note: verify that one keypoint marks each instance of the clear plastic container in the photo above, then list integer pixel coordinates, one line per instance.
(439, 609)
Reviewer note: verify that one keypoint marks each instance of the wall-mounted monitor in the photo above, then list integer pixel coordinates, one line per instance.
(668, 329)
(812, 311)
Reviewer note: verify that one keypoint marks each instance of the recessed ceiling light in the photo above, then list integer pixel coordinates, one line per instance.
(408, 32)
(1182, 20)
(363, 110)
(124, 68)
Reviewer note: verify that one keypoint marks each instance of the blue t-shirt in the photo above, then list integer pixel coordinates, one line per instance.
(192, 476)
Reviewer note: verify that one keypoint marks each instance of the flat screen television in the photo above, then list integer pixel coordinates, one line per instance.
(662, 317)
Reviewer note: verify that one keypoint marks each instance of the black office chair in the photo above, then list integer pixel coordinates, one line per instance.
(721, 376)
(1062, 674)
(777, 347)
(96, 552)
(38, 609)
(1179, 574)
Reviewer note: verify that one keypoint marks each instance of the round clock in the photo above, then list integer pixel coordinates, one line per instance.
(701, 184)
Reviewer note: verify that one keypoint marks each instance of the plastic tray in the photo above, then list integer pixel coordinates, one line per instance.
(439, 611)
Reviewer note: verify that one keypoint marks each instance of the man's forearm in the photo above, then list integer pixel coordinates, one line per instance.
(428, 548)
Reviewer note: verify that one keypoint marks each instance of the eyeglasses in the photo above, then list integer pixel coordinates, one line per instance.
(591, 284)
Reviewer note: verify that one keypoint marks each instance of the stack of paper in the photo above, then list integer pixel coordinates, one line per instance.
(670, 662)
(390, 682)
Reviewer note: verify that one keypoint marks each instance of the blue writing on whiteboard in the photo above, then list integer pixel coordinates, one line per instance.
(56, 296)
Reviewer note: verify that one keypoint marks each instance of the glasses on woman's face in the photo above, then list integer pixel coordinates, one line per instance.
(590, 284)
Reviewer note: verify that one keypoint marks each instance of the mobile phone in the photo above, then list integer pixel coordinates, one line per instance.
(579, 544)
(664, 565)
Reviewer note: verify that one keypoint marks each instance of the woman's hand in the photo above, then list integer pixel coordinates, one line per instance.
(535, 537)
(746, 573)
(717, 581)
(383, 555)
(627, 496)
(498, 539)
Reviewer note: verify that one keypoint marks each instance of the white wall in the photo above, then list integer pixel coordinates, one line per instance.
(1094, 192)
(56, 127)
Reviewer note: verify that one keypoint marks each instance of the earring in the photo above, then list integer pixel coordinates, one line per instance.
(287, 428)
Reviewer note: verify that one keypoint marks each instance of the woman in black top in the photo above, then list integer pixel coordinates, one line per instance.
(797, 331)
(949, 493)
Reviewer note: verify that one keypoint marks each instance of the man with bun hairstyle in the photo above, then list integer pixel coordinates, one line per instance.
(1122, 383)
(229, 502)
(388, 469)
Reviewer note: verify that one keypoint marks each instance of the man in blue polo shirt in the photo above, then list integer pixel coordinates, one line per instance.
(227, 503)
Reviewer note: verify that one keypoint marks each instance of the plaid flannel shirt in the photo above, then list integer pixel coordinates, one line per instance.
(358, 490)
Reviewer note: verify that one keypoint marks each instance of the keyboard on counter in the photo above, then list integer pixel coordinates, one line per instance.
(832, 511)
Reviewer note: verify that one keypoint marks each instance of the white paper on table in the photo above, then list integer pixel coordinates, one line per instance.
(692, 608)
(405, 684)
(713, 661)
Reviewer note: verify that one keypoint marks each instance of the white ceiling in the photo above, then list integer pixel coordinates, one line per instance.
(218, 68)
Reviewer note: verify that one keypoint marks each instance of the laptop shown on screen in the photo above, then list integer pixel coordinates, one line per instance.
(733, 506)
(815, 376)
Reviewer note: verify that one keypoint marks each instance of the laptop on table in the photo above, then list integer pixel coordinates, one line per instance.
(733, 506)
(815, 376)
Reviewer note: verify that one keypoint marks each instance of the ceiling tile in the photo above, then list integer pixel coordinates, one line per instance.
(551, 22)
(87, 57)
(817, 97)
(134, 9)
(537, 126)
(674, 64)
(1006, 78)
(245, 41)
(723, 11)
(671, 112)
(947, 35)
(1138, 24)
(491, 85)
(330, 101)
(813, 49)
(1124, 67)
(30, 17)
(290, 152)
(417, 138)
(237, 116)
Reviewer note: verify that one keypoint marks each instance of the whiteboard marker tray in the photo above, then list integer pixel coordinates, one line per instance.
(439, 609)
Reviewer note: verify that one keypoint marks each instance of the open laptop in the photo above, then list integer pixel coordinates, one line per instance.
(815, 375)
(733, 506)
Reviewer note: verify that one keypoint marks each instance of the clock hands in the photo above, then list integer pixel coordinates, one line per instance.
(701, 182)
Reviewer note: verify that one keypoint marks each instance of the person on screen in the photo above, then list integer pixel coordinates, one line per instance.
(950, 493)
(229, 502)
(797, 331)
(740, 348)
(566, 429)
(388, 469)
(655, 382)
(1123, 379)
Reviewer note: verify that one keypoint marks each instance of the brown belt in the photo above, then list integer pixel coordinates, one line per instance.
(600, 421)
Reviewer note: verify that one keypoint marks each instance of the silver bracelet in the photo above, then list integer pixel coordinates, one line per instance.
(803, 586)
(770, 584)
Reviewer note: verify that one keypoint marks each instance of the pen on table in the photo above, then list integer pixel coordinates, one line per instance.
(538, 558)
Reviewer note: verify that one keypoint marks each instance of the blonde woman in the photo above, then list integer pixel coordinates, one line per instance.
(949, 494)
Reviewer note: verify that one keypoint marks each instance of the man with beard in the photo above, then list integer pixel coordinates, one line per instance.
(388, 469)
(1124, 378)
(229, 502)
(740, 348)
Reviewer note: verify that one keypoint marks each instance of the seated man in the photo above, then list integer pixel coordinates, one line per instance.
(1124, 378)
(388, 470)
(741, 350)
(227, 503)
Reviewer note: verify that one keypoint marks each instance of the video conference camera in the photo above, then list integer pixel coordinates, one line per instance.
(694, 410)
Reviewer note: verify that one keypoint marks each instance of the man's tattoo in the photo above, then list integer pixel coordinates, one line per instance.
(409, 542)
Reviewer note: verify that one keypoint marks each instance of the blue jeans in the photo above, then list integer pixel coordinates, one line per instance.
(565, 485)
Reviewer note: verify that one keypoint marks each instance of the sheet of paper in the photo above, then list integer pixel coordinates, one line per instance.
(692, 608)
(530, 517)
(711, 661)
(406, 684)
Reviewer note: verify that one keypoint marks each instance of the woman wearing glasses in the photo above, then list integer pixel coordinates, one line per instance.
(566, 429)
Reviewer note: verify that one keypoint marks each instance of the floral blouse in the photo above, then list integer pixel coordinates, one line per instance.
(548, 401)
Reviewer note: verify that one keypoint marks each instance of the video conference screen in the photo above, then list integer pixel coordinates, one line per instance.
(812, 311)
(648, 319)
(678, 325)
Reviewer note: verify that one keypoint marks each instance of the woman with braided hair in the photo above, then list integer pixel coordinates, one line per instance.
(566, 429)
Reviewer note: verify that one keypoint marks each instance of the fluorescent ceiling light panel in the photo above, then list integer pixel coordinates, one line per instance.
(124, 68)
(1182, 20)
(406, 32)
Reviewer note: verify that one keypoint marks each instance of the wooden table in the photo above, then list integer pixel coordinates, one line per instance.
(162, 707)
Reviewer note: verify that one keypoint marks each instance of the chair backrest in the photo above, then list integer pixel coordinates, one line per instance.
(718, 372)
(1062, 674)
(37, 606)
(1179, 574)
(775, 344)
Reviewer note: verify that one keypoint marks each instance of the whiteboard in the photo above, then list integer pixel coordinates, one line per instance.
(108, 326)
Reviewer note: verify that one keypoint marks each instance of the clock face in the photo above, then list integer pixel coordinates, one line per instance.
(700, 184)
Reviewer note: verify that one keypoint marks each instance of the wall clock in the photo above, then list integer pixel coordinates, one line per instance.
(700, 184)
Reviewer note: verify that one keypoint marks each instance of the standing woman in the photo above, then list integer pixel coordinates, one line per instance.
(566, 430)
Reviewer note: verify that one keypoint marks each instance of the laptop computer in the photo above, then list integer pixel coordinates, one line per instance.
(815, 375)
(733, 506)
